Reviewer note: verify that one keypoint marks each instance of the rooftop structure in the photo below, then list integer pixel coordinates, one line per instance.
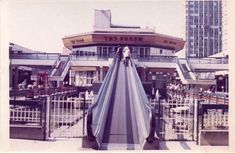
(106, 33)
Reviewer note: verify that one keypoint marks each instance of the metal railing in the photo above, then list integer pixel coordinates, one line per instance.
(156, 58)
(205, 97)
(35, 93)
(52, 114)
(28, 112)
(65, 115)
(93, 57)
(37, 56)
(208, 60)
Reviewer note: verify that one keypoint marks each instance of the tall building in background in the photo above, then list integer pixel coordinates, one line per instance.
(203, 28)
(225, 27)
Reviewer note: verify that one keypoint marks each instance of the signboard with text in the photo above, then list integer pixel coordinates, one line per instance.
(133, 39)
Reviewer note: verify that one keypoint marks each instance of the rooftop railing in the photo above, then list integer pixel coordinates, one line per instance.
(37, 56)
(17, 94)
(208, 61)
(156, 58)
(92, 57)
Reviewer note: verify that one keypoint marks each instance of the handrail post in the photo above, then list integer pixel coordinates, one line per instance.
(83, 121)
(198, 103)
(48, 101)
(159, 118)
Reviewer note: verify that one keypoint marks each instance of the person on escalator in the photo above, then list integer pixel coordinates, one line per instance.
(126, 55)
(119, 54)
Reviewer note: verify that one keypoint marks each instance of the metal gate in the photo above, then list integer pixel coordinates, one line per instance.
(66, 116)
(176, 117)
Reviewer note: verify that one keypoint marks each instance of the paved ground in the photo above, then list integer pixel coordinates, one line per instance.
(74, 145)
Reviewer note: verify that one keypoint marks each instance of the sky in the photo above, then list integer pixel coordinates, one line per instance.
(41, 24)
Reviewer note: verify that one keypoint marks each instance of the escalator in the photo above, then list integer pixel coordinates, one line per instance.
(61, 67)
(58, 71)
(121, 127)
(112, 121)
(184, 71)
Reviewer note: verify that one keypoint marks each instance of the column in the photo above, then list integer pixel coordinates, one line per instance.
(10, 76)
(226, 83)
(97, 74)
(16, 77)
(59, 83)
(143, 72)
(71, 77)
(101, 73)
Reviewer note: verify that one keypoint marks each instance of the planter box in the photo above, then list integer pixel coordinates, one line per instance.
(27, 132)
(214, 137)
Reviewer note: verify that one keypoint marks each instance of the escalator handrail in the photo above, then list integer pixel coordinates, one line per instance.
(141, 88)
(150, 115)
(105, 82)
(99, 106)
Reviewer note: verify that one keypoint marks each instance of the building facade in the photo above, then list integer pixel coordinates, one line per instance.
(203, 28)
(103, 41)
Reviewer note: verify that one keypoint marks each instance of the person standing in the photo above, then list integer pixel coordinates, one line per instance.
(119, 54)
(126, 55)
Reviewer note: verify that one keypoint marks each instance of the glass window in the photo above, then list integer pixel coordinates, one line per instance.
(81, 53)
(99, 50)
(105, 51)
(147, 51)
(141, 52)
(135, 50)
(110, 49)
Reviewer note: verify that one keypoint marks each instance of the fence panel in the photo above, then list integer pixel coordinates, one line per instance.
(66, 115)
(28, 119)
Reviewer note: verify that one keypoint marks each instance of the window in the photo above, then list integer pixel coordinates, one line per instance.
(147, 51)
(99, 50)
(110, 49)
(105, 52)
(81, 53)
(77, 52)
(141, 52)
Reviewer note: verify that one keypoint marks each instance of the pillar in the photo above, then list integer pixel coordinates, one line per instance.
(226, 84)
(71, 77)
(59, 83)
(143, 72)
(10, 76)
(101, 73)
(97, 75)
(16, 77)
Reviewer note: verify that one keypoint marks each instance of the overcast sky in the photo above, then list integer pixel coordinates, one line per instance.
(41, 24)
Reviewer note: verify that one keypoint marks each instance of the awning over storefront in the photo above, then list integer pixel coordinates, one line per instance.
(221, 73)
(25, 68)
(81, 68)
